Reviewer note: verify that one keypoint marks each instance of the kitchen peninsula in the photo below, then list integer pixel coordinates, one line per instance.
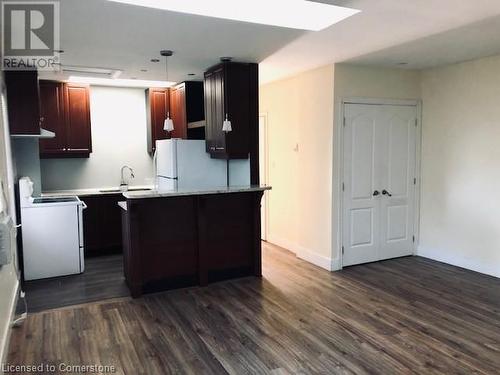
(190, 237)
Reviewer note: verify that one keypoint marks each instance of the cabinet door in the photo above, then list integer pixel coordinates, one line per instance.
(178, 111)
(219, 108)
(209, 113)
(52, 118)
(77, 113)
(23, 102)
(157, 107)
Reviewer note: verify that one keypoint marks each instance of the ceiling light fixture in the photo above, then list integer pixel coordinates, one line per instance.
(168, 124)
(294, 14)
(98, 81)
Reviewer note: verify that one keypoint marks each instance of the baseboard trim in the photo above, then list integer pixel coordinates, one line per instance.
(6, 339)
(443, 256)
(326, 263)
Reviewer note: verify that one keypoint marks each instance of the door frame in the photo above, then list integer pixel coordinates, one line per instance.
(265, 162)
(338, 172)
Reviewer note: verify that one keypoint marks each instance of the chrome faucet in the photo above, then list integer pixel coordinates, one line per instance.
(122, 181)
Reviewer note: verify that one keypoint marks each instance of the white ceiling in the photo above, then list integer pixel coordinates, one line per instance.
(99, 33)
(469, 42)
(106, 34)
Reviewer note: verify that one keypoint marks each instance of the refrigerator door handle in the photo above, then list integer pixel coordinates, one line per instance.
(168, 178)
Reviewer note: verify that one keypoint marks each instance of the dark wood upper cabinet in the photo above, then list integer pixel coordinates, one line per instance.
(187, 109)
(23, 102)
(157, 107)
(178, 111)
(65, 110)
(52, 112)
(77, 116)
(231, 89)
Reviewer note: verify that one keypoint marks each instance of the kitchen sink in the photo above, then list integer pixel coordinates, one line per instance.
(114, 190)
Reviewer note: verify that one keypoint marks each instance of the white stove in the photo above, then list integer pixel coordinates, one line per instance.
(52, 234)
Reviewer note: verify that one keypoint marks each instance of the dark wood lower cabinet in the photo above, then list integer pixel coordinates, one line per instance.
(102, 227)
(180, 241)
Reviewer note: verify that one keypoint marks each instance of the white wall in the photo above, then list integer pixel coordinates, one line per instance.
(26, 155)
(364, 82)
(460, 208)
(118, 117)
(300, 127)
(8, 275)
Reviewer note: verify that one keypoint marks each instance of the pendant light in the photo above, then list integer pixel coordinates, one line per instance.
(226, 125)
(168, 124)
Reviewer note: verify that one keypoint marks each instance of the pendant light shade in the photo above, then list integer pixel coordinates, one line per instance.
(168, 124)
(226, 125)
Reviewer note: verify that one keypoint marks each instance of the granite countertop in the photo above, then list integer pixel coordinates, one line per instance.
(184, 192)
(94, 191)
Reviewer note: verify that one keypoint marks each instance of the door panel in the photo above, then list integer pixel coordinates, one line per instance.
(379, 154)
(397, 211)
(361, 209)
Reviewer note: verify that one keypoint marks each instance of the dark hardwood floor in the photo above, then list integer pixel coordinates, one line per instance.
(103, 278)
(402, 316)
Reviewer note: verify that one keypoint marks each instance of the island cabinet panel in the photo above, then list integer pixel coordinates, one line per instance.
(23, 102)
(231, 90)
(181, 241)
(228, 226)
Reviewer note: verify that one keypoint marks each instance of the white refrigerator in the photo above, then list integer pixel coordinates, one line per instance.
(184, 164)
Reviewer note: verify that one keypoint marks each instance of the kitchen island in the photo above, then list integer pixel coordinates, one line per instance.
(188, 237)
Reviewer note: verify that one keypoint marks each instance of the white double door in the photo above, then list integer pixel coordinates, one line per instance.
(379, 182)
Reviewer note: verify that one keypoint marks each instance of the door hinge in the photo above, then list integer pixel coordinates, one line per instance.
(344, 121)
(414, 181)
(343, 187)
(413, 239)
(342, 250)
(416, 122)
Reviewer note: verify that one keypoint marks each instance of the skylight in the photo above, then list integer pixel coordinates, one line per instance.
(295, 14)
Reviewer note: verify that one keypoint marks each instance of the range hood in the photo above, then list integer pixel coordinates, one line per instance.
(44, 134)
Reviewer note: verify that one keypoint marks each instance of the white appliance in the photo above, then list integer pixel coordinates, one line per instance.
(185, 164)
(52, 234)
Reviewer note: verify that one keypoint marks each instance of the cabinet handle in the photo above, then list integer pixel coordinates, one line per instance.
(385, 192)
(212, 148)
(220, 148)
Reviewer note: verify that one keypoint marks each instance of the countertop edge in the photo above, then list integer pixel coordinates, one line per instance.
(89, 192)
(166, 194)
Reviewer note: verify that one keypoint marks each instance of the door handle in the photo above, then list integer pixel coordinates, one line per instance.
(385, 192)
(375, 193)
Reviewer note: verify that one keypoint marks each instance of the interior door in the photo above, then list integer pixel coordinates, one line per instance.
(379, 191)
(397, 181)
(361, 207)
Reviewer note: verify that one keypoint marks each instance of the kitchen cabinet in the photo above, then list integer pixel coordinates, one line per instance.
(187, 109)
(157, 107)
(102, 229)
(185, 240)
(65, 109)
(231, 89)
(23, 102)
(52, 114)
